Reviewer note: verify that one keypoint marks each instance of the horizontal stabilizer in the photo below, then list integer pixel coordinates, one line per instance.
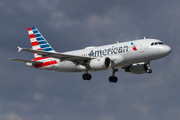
(26, 61)
(19, 49)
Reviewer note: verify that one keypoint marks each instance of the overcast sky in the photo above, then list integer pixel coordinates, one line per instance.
(31, 94)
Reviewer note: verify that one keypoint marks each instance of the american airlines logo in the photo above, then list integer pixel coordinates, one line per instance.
(133, 46)
(110, 51)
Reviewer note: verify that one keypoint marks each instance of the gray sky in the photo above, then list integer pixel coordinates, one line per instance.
(30, 94)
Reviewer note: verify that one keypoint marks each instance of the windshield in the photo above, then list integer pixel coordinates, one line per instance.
(157, 43)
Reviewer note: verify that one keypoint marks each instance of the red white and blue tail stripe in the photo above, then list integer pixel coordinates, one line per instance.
(38, 42)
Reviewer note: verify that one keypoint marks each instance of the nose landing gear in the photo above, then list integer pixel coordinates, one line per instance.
(148, 68)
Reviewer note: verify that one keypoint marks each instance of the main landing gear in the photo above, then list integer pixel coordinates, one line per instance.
(113, 78)
(86, 76)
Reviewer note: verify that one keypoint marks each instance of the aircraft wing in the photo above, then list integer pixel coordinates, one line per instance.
(73, 58)
(26, 61)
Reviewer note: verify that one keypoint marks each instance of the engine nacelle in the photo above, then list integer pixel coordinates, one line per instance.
(139, 68)
(100, 63)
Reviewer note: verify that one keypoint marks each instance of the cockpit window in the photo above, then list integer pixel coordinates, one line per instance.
(160, 43)
(157, 43)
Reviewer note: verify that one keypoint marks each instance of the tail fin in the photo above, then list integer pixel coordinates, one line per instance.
(38, 42)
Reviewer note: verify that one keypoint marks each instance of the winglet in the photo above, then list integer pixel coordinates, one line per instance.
(19, 49)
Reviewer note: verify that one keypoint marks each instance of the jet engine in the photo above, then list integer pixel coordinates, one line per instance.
(139, 68)
(100, 63)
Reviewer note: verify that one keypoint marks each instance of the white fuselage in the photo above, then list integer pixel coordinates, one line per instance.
(123, 54)
(133, 56)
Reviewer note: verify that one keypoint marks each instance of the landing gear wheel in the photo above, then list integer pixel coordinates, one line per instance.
(86, 76)
(89, 76)
(149, 71)
(148, 68)
(113, 79)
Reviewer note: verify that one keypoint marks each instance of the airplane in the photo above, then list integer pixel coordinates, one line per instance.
(132, 56)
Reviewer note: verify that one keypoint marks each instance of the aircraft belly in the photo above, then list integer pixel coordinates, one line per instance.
(67, 66)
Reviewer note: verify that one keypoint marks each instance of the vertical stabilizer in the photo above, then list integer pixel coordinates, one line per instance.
(38, 42)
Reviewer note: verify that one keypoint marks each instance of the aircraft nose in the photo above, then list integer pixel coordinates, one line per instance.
(166, 50)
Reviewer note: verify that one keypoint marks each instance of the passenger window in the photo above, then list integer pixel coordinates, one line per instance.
(156, 43)
(152, 44)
